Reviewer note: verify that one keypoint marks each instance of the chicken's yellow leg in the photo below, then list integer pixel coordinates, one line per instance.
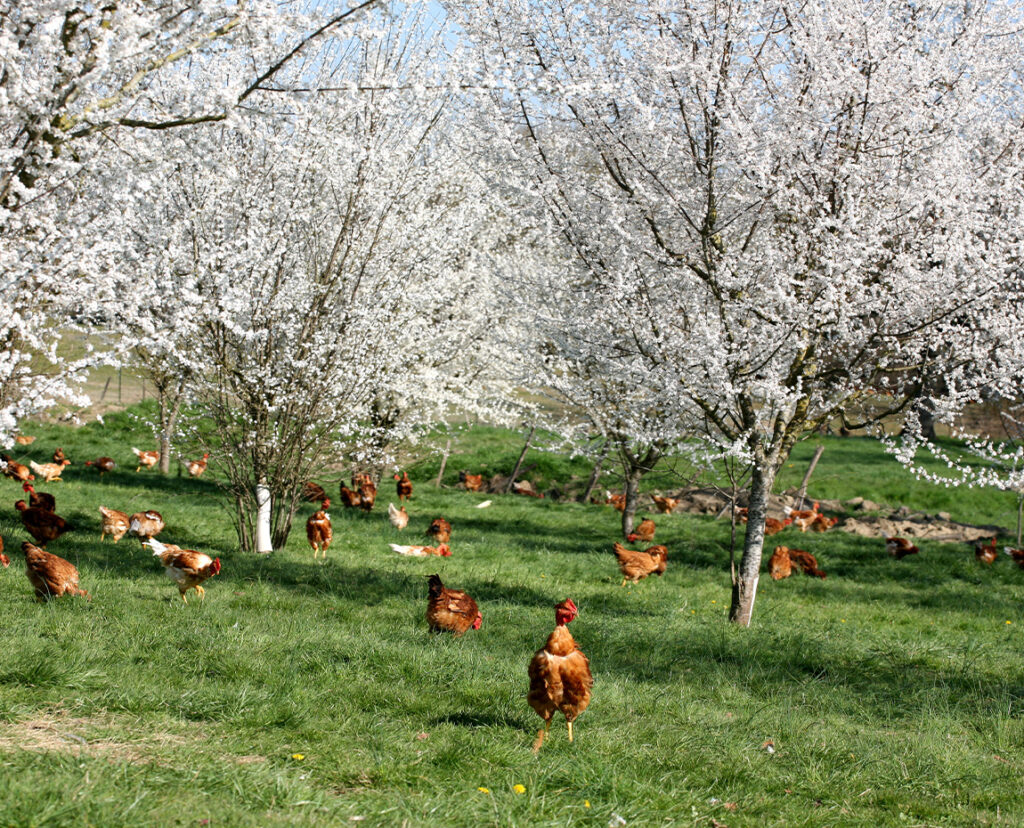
(623, 582)
(202, 592)
(183, 598)
(570, 731)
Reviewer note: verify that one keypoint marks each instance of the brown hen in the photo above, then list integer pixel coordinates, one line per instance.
(560, 678)
(51, 575)
(450, 610)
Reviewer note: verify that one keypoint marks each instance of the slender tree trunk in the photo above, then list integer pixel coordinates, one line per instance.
(169, 409)
(595, 474)
(263, 542)
(633, 476)
(444, 462)
(1020, 516)
(744, 587)
(243, 524)
(519, 462)
(283, 514)
(802, 493)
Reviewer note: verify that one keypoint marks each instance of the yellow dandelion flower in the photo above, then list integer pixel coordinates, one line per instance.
(586, 803)
(519, 789)
(298, 757)
(484, 790)
(1009, 622)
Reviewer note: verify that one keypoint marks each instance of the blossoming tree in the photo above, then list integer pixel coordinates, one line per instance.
(74, 74)
(787, 211)
(315, 252)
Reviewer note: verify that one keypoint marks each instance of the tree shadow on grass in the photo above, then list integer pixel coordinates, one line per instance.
(894, 678)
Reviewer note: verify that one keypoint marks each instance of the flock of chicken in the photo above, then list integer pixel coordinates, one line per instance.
(559, 672)
(560, 678)
(52, 576)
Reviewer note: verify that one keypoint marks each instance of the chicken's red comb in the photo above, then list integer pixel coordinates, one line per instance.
(567, 606)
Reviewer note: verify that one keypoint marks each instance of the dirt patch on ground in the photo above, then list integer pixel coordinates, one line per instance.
(929, 527)
(868, 519)
(93, 736)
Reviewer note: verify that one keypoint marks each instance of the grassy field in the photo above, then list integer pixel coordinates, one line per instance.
(305, 693)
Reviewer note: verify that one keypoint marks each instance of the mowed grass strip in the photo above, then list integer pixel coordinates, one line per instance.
(312, 694)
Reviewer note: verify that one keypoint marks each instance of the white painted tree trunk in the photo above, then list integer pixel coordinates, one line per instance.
(263, 542)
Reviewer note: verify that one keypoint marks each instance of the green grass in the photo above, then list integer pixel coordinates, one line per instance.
(893, 691)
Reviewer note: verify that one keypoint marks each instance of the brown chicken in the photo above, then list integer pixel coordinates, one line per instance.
(360, 479)
(51, 576)
(616, 501)
(58, 455)
(399, 517)
(899, 548)
(803, 518)
(39, 500)
(440, 530)
(665, 505)
(4, 560)
(104, 464)
(349, 498)
(644, 532)
(146, 525)
(779, 565)
(50, 472)
(471, 482)
(195, 468)
(24, 440)
(318, 529)
(783, 559)
(1016, 554)
(16, 471)
(42, 525)
(146, 458)
(313, 492)
(986, 552)
(367, 495)
(451, 610)
(773, 526)
(636, 566)
(403, 487)
(822, 523)
(186, 567)
(114, 523)
(741, 514)
(559, 675)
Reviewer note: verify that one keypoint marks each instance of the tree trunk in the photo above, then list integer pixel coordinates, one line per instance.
(169, 409)
(444, 462)
(263, 542)
(802, 493)
(243, 524)
(595, 474)
(633, 476)
(744, 588)
(1020, 515)
(519, 462)
(281, 522)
